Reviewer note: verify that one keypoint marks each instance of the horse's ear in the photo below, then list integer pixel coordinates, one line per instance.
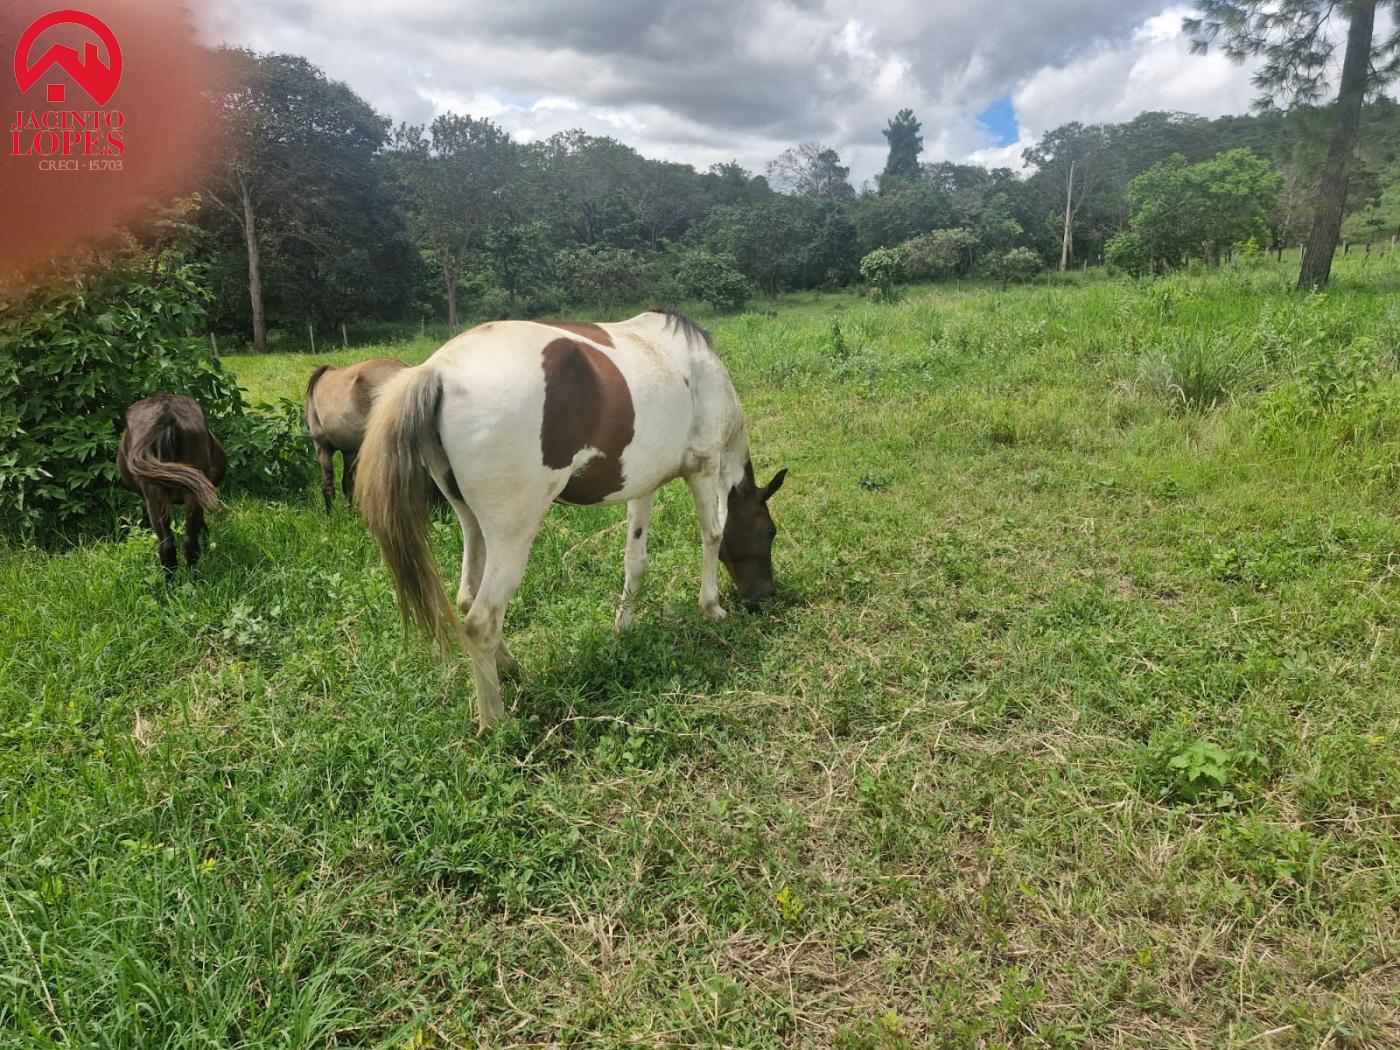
(774, 485)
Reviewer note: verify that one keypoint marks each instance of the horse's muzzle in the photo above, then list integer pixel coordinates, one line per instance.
(758, 596)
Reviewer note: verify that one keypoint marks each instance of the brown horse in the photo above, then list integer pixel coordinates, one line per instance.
(167, 454)
(337, 406)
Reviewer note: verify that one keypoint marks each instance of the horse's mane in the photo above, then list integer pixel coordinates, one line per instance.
(315, 376)
(679, 322)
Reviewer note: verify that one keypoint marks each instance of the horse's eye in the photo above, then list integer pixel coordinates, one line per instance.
(772, 532)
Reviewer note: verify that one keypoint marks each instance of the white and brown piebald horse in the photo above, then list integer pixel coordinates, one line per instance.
(513, 416)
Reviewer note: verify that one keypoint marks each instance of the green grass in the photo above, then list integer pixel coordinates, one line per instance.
(1075, 724)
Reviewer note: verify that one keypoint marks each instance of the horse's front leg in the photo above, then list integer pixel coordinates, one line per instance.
(705, 490)
(638, 522)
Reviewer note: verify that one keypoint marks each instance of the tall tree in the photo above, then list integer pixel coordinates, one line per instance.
(454, 172)
(591, 176)
(732, 183)
(1297, 41)
(293, 149)
(902, 164)
(812, 169)
(1184, 211)
(1073, 160)
(664, 200)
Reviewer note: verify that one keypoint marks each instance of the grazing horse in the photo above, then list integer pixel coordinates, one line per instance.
(513, 416)
(337, 407)
(167, 454)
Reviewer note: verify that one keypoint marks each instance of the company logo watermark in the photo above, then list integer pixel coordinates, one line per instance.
(64, 139)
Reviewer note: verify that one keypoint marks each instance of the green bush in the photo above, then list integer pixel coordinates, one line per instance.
(1019, 265)
(1127, 252)
(713, 278)
(74, 355)
(882, 270)
(940, 254)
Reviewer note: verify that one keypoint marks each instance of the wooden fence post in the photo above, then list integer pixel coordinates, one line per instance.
(312, 333)
(214, 344)
(344, 339)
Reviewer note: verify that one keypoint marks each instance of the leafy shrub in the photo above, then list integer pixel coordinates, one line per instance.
(1294, 333)
(1019, 264)
(269, 451)
(1249, 251)
(713, 278)
(75, 355)
(939, 254)
(1349, 392)
(1196, 372)
(1201, 770)
(882, 270)
(1127, 252)
(836, 341)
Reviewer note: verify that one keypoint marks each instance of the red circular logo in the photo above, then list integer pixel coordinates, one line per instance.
(99, 80)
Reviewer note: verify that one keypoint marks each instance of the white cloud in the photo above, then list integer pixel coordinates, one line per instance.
(702, 81)
(1152, 69)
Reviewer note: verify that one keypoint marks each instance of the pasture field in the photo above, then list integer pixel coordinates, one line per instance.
(1076, 721)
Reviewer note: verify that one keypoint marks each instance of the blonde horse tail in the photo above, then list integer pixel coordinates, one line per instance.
(391, 486)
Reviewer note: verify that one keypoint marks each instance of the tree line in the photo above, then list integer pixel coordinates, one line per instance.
(320, 211)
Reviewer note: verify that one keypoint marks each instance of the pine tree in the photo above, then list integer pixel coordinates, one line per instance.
(1297, 41)
(902, 133)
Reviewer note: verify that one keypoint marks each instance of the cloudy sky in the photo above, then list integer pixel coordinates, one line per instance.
(702, 81)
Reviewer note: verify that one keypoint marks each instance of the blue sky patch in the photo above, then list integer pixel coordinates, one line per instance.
(1000, 119)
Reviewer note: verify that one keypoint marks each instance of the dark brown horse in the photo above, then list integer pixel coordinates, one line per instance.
(337, 406)
(167, 454)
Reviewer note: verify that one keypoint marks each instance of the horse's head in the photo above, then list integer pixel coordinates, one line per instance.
(747, 547)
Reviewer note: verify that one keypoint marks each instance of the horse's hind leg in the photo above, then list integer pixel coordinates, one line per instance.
(473, 565)
(326, 455)
(158, 510)
(347, 474)
(508, 540)
(194, 525)
(638, 522)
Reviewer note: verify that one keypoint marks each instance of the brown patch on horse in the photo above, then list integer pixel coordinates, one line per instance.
(587, 329)
(586, 405)
(746, 549)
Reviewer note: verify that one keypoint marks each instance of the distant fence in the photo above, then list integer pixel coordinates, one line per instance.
(349, 336)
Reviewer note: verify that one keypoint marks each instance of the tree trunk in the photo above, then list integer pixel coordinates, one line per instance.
(255, 290)
(1064, 241)
(1332, 194)
(449, 277)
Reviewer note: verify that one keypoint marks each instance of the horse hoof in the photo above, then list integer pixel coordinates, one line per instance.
(714, 613)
